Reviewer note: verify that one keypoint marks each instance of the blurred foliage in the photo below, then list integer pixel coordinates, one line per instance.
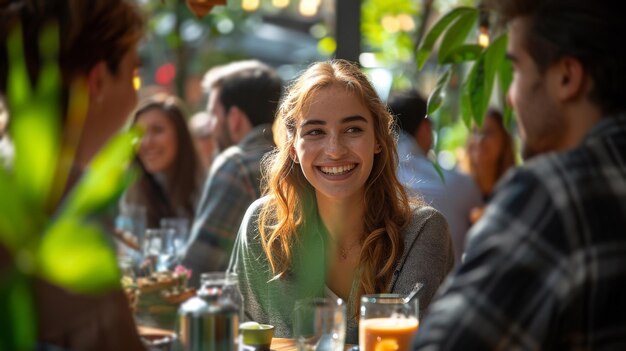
(488, 67)
(55, 239)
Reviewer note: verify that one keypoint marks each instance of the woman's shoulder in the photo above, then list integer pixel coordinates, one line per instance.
(424, 217)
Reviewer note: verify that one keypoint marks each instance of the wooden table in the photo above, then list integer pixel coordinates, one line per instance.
(280, 344)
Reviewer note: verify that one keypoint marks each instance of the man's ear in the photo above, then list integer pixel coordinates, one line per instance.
(238, 123)
(96, 81)
(571, 75)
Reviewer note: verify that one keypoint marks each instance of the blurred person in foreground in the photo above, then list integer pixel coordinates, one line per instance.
(201, 126)
(545, 266)
(98, 41)
(243, 97)
(456, 194)
(490, 154)
(171, 173)
(335, 221)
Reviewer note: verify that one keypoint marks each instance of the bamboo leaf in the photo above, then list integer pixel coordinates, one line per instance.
(18, 222)
(473, 92)
(463, 53)
(466, 108)
(426, 47)
(506, 78)
(436, 97)
(18, 322)
(457, 33)
(35, 123)
(107, 177)
(76, 255)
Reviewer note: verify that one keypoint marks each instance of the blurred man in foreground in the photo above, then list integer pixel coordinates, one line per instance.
(545, 266)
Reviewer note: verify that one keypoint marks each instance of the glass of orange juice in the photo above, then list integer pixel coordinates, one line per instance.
(388, 322)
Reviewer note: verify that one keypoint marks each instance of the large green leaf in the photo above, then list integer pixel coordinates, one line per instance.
(35, 125)
(473, 92)
(426, 47)
(480, 82)
(463, 53)
(18, 323)
(18, 223)
(506, 78)
(436, 97)
(456, 34)
(76, 255)
(106, 178)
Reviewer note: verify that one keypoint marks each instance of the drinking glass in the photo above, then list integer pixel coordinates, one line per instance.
(320, 324)
(388, 322)
(159, 243)
(181, 226)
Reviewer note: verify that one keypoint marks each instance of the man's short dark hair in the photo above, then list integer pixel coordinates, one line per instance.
(409, 108)
(588, 30)
(252, 86)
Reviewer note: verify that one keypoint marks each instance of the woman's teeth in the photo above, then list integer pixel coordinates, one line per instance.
(337, 170)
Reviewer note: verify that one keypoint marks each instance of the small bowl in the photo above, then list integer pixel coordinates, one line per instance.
(257, 335)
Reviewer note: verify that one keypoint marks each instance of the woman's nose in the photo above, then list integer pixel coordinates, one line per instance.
(336, 147)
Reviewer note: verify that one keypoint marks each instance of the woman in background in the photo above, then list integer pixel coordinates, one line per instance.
(170, 171)
(490, 153)
(335, 220)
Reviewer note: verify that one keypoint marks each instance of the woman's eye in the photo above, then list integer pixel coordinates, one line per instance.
(354, 130)
(313, 132)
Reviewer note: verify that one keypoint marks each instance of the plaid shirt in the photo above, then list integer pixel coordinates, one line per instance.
(545, 268)
(232, 185)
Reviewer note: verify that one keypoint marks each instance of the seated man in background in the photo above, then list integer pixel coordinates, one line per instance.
(456, 194)
(243, 97)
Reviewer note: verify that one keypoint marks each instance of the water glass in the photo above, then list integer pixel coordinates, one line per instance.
(159, 243)
(181, 226)
(388, 322)
(320, 324)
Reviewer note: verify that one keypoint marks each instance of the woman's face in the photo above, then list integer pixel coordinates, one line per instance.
(486, 144)
(159, 144)
(335, 144)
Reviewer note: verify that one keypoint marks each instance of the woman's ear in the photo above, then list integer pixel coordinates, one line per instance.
(293, 155)
(378, 149)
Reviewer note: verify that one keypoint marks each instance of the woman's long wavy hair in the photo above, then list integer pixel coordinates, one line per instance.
(178, 198)
(387, 206)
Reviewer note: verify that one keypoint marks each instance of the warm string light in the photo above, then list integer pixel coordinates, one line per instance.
(250, 5)
(309, 8)
(281, 4)
(483, 37)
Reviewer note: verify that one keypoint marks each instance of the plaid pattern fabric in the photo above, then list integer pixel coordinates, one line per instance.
(232, 185)
(545, 268)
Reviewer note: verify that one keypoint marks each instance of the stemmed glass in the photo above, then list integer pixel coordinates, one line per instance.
(181, 227)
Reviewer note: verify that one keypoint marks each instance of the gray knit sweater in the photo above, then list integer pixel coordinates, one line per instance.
(427, 259)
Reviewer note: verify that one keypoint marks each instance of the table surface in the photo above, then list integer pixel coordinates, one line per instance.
(278, 344)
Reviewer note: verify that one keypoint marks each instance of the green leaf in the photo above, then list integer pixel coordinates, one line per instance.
(426, 47)
(463, 53)
(75, 254)
(106, 178)
(18, 222)
(466, 108)
(479, 84)
(506, 78)
(457, 33)
(473, 93)
(436, 97)
(18, 322)
(36, 122)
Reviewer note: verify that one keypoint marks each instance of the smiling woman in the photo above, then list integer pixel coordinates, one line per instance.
(170, 169)
(335, 220)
